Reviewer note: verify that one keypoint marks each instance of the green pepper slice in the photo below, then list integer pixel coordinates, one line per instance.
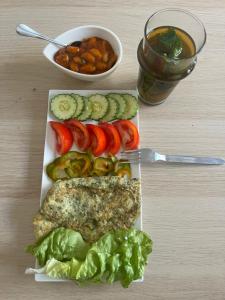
(123, 169)
(49, 169)
(55, 169)
(71, 164)
(75, 168)
(59, 173)
(102, 166)
(77, 164)
(66, 158)
(84, 159)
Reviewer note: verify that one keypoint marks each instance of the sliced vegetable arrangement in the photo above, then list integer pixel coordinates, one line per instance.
(120, 255)
(113, 106)
(102, 138)
(76, 164)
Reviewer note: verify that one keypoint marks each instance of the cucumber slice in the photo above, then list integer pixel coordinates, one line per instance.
(63, 106)
(121, 102)
(99, 105)
(80, 105)
(131, 107)
(112, 110)
(86, 113)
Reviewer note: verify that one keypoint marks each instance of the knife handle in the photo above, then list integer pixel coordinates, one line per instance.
(194, 160)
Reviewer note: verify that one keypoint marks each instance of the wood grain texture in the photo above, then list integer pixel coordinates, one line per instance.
(184, 207)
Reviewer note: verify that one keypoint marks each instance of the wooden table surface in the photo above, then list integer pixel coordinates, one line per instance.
(184, 207)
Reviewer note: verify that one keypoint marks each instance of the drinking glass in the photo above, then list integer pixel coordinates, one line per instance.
(158, 74)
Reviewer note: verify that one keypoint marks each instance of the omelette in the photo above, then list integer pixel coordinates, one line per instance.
(91, 206)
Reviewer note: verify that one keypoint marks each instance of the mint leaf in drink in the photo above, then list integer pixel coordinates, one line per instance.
(170, 44)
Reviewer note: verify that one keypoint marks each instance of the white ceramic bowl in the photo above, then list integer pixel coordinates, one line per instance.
(78, 34)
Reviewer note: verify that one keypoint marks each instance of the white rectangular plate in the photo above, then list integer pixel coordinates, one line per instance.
(50, 153)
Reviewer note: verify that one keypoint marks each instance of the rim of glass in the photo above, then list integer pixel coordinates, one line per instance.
(180, 10)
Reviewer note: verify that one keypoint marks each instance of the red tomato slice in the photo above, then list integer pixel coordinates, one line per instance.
(80, 134)
(128, 133)
(112, 137)
(64, 138)
(98, 139)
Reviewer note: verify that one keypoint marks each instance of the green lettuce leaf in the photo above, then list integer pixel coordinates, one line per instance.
(61, 244)
(58, 269)
(119, 255)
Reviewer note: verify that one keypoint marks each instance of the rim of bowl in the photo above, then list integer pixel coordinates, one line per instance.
(120, 54)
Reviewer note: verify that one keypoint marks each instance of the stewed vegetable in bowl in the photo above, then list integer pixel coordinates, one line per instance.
(92, 52)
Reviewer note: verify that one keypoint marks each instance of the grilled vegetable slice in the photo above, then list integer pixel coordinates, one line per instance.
(86, 113)
(63, 106)
(74, 169)
(79, 164)
(66, 158)
(83, 158)
(50, 167)
(71, 164)
(86, 163)
(56, 169)
(131, 107)
(99, 105)
(80, 105)
(122, 169)
(102, 166)
(58, 172)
